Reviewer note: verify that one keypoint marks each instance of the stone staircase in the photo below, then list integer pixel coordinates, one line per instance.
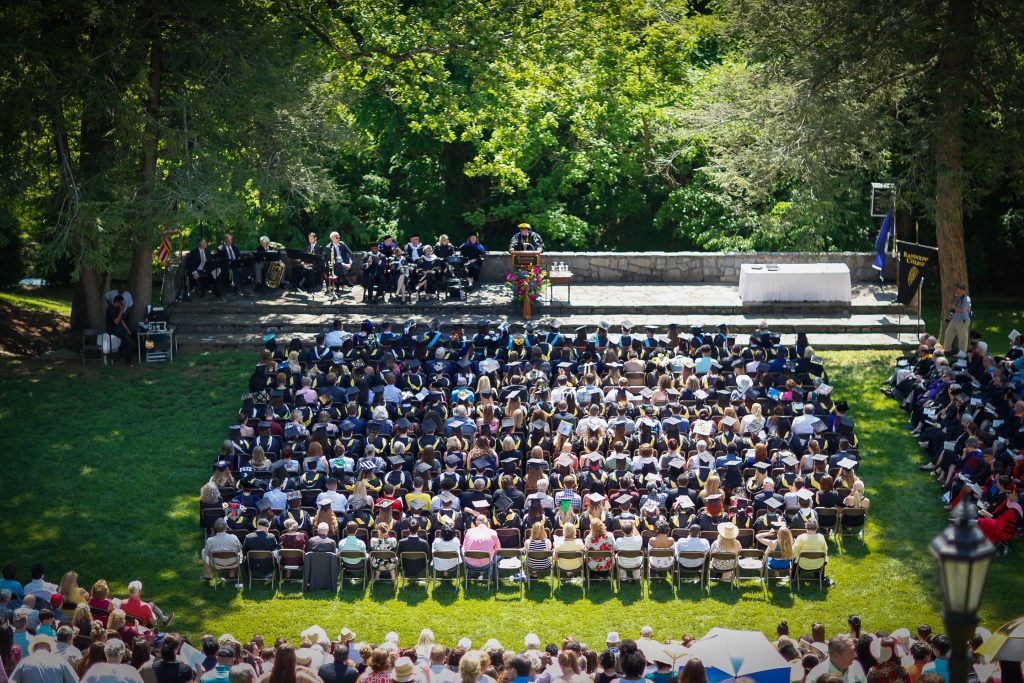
(873, 320)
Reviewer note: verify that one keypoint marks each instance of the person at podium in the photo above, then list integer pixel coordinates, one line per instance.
(526, 240)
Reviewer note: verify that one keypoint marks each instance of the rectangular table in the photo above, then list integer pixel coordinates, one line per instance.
(795, 282)
(561, 277)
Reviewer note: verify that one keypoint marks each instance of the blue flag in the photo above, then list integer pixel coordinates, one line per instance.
(884, 234)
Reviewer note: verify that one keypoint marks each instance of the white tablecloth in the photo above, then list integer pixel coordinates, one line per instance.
(795, 282)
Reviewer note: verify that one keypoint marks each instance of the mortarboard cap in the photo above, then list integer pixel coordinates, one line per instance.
(624, 499)
(773, 503)
(452, 460)
(480, 463)
(396, 461)
(262, 505)
(763, 466)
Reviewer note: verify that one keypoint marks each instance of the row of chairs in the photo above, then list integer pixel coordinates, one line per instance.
(514, 563)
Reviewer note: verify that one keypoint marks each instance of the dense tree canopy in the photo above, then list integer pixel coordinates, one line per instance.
(625, 124)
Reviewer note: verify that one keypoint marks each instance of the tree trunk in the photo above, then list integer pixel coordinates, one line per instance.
(89, 296)
(954, 66)
(141, 278)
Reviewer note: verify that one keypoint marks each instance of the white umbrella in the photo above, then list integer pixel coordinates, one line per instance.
(730, 654)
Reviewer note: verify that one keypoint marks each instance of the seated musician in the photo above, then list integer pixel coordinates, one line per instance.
(232, 274)
(474, 253)
(431, 271)
(262, 250)
(199, 276)
(338, 254)
(526, 240)
(374, 275)
(307, 276)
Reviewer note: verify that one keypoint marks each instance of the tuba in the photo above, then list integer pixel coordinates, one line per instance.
(275, 269)
(275, 273)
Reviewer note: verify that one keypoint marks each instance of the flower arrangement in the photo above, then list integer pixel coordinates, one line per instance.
(528, 282)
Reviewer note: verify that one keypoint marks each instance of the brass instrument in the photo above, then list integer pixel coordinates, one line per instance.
(275, 273)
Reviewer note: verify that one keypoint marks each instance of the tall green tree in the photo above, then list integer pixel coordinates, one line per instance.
(822, 96)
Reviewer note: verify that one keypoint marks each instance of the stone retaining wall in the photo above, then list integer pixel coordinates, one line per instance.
(661, 266)
(685, 266)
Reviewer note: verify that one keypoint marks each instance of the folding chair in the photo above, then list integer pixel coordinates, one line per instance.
(750, 565)
(600, 555)
(509, 538)
(698, 570)
(801, 575)
(566, 574)
(284, 571)
(510, 561)
(851, 522)
(224, 561)
(538, 555)
(383, 556)
(629, 555)
(719, 574)
(469, 570)
(664, 553)
(770, 575)
(344, 568)
(457, 569)
(261, 555)
(828, 519)
(207, 516)
(413, 555)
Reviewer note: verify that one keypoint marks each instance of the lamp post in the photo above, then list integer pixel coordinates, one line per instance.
(963, 553)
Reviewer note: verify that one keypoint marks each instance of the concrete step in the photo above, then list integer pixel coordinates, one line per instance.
(601, 300)
(190, 342)
(257, 322)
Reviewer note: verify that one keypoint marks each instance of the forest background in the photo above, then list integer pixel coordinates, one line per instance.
(608, 125)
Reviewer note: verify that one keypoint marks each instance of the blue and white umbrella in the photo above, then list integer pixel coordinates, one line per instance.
(729, 655)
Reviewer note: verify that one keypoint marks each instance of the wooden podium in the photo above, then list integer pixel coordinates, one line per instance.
(524, 259)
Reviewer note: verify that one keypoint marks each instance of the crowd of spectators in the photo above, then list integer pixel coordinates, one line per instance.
(967, 412)
(421, 440)
(81, 648)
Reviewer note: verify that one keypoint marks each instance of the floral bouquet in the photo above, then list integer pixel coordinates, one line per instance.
(528, 282)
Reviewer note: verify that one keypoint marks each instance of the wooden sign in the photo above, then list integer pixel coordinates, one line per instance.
(525, 259)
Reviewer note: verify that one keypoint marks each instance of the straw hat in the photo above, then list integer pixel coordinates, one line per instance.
(403, 670)
(728, 530)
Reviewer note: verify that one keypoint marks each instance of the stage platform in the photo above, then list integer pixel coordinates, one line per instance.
(873, 320)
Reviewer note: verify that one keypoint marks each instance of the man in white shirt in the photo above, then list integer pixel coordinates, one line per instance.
(337, 336)
(592, 422)
(43, 664)
(39, 586)
(275, 496)
(841, 660)
(803, 425)
(221, 541)
(338, 501)
(692, 543)
(546, 501)
(125, 294)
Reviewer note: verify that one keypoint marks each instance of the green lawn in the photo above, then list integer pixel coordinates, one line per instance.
(103, 466)
(54, 299)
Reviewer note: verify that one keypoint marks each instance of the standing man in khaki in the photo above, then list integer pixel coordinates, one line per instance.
(959, 326)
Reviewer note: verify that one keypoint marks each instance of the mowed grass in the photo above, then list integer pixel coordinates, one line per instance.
(51, 299)
(102, 467)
